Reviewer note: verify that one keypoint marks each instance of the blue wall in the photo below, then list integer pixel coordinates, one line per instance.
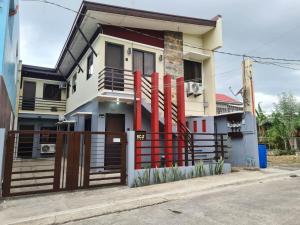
(9, 47)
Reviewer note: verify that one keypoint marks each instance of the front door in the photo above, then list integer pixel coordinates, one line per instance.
(114, 123)
(25, 145)
(28, 100)
(114, 63)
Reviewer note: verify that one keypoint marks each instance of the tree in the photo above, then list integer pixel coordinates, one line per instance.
(285, 121)
(262, 121)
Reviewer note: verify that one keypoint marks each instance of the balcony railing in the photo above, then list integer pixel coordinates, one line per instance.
(114, 79)
(40, 104)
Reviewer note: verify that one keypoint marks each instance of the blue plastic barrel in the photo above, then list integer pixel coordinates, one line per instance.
(262, 154)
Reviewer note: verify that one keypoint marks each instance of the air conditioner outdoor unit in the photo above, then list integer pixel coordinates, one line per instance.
(47, 148)
(63, 85)
(194, 88)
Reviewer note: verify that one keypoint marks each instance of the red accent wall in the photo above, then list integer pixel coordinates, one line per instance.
(203, 126)
(135, 36)
(195, 126)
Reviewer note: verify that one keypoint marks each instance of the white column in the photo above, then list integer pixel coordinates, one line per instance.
(130, 158)
(2, 145)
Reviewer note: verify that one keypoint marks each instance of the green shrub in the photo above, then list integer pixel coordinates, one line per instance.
(219, 167)
(143, 178)
(199, 169)
(156, 176)
(164, 175)
(176, 174)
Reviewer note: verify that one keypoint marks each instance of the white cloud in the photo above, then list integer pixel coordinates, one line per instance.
(266, 101)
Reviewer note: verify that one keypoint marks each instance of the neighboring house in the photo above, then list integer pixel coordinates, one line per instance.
(9, 58)
(226, 104)
(91, 87)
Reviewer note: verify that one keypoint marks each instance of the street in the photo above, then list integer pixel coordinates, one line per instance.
(266, 202)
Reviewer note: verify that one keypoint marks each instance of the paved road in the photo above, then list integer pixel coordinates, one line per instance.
(269, 202)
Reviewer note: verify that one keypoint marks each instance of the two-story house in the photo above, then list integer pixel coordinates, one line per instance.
(91, 87)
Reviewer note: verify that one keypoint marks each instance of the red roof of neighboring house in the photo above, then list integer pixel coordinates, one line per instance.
(226, 99)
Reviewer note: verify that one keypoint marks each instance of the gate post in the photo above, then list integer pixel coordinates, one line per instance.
(57, 165)
(180, 117)
(87, 159)
(155, 157)
(123, 158)
(168, 119)
(130, 158)
(73, 160)
(9, 151)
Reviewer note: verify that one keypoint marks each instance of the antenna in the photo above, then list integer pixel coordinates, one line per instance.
(232, 92)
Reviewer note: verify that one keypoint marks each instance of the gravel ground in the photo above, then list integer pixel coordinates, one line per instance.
(284, 161)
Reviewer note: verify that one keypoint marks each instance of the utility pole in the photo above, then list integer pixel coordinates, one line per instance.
(248, 91)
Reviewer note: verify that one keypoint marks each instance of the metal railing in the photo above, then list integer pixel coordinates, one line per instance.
(204, 147)
(114, 79)
(40, 104)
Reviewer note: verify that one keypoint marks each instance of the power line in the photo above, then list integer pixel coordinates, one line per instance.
(255, 58)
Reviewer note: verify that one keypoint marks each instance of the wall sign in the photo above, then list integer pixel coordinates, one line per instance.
(116, 140)
(140, 135)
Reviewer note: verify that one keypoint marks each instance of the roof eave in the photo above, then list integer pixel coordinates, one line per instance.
(87, 5)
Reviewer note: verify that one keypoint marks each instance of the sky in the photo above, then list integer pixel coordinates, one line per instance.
(268, 28)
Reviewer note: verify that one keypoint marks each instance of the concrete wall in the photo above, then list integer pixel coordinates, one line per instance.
(244, 151)
(5, 107)
(9, 47)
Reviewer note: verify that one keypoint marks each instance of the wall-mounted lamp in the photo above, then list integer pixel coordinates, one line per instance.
(160, 58)
(118, 101)
(129, 50)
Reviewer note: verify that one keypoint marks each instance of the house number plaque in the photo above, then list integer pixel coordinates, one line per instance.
(140, 135)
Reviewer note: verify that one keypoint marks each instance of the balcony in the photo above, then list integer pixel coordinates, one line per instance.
(116, 83)
(40, 105)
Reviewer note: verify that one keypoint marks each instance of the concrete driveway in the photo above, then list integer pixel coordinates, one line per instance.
(265, 202)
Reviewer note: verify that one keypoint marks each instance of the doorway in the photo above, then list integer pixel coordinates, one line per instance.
(114, 63)
(28, 99)
(115, 123)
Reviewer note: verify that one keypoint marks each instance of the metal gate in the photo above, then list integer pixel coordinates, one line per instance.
(50, 161)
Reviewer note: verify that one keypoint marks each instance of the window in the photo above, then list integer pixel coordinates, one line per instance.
(192, 71)
(52, 92)
(68, 89)
(90, 67)
(144, 62)
(88, 123)
(74, 83)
